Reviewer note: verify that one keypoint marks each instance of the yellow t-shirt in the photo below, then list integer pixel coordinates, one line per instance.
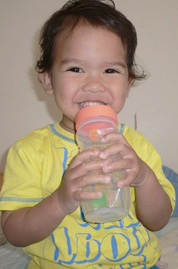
(34, 170)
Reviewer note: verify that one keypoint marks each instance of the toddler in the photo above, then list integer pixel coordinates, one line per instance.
(87, 58)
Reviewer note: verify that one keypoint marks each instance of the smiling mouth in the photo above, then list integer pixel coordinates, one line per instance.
(90, 103)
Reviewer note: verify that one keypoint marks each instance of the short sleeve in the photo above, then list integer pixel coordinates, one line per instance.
(22, 178)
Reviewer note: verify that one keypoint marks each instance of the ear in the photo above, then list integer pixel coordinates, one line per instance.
(45, 79)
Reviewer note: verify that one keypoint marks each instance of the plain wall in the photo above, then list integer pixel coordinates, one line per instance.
(24, 105)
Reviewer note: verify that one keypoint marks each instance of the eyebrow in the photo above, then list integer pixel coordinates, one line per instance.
(74, 60)
(69, 60)
(117, 63)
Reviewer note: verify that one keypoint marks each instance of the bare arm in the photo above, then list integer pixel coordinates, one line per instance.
(153, 206)
(33, 224)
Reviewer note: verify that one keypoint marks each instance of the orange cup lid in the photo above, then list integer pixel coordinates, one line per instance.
(93, 111)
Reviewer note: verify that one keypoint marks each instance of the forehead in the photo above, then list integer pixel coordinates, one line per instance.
(88, 38)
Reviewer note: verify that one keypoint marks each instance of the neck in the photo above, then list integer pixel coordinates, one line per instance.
(68, 128)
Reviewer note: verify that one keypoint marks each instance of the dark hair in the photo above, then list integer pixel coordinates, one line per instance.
(97, 13)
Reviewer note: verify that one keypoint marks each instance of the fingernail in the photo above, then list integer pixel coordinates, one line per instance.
(96, 152)
(107, 179)
(106, 168)
(120, 184)
(102, 155)
(103, 139)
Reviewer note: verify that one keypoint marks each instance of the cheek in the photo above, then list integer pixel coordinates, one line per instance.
(60, 89)
(62, 97)
(120, 92)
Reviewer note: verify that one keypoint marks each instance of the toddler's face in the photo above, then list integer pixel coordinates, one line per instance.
(89, 68)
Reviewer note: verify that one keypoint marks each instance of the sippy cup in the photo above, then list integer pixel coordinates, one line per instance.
(92, 123)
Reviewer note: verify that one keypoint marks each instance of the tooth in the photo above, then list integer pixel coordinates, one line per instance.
(85, 104)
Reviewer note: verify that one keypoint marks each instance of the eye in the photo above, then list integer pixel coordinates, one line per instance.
(111, 71)
(76, 70)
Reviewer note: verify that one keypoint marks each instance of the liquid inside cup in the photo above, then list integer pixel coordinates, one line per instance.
(106, 214)
(111, 206)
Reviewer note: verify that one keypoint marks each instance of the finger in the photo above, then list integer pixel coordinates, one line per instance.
(92, 179)
(86, 167)
(114, 137)
(88, 195)
(83, 156)
(116, 151)
(109, 167)
(127, 180)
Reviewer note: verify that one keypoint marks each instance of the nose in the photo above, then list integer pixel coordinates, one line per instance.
(93, 84)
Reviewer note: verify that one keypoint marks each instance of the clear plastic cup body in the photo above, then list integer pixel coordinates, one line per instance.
(115, 202)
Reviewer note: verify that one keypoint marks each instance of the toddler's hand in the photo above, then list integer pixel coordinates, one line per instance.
(136, 169)
(78, 175)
